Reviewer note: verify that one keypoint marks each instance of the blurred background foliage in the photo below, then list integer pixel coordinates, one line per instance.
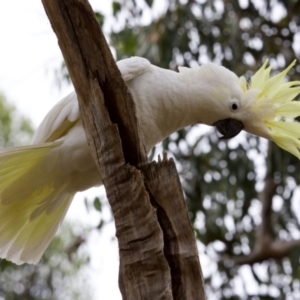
(242, 194)
(15, 129)
(59, 275)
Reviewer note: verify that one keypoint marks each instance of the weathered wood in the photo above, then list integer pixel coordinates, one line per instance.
(80, 39)
(104, 101)
(180, 247)
(107, 111)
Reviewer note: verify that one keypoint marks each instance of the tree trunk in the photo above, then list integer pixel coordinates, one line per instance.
(158, 253)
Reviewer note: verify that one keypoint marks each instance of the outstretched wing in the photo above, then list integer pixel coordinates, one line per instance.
(63, 116)
(58, 121)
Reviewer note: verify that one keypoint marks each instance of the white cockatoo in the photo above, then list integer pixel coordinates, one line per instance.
(38, 182)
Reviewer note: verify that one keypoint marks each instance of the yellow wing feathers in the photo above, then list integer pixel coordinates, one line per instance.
(32, 205)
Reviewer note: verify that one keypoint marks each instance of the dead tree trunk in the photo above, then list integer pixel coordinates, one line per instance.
(158, 253)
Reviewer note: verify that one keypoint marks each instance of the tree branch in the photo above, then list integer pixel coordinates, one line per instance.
(180, 248)
(265, 230)
(107, 111)
(275, 250)
(104, 102)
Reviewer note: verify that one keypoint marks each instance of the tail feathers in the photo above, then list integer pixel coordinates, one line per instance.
(32, 205)
(23, 239)
(17, 162)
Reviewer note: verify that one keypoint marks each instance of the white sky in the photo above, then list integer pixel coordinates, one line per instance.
(29, 54)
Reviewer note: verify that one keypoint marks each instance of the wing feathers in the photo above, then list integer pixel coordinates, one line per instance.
(61, 118)
(34, 195)
(32, 203)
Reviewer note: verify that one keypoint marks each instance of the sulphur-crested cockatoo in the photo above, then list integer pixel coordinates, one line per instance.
(38, 182)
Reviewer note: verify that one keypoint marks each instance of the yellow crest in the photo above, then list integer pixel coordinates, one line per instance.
(277, 105)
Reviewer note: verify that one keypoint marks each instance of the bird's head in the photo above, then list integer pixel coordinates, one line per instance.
(264, 106)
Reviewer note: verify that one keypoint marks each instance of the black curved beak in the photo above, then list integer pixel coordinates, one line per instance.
(229, 128)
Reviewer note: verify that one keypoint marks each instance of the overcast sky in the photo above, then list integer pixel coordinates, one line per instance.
(29, 55)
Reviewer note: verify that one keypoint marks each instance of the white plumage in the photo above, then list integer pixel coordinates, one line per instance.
(38, 182)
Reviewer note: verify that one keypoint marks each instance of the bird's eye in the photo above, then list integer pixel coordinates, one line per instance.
(234, 105)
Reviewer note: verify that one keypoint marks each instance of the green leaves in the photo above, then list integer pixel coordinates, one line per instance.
(15, 130)
(100, 18)
(58, 275)
(116, 6)
(97, 204)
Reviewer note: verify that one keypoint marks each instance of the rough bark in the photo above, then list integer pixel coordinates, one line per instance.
(180, 246)
(148, 248)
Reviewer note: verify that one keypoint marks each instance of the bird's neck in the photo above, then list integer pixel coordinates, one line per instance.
(169, 101)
